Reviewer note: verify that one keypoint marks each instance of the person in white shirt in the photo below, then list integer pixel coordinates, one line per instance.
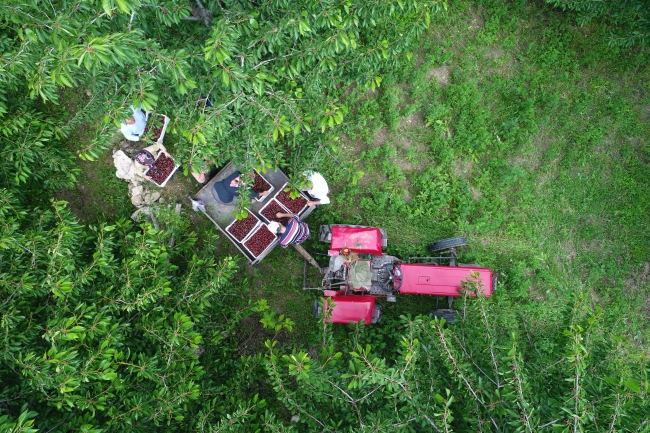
(135, 125)
(317, 188)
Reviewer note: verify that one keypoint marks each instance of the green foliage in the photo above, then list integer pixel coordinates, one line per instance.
(632, 18)
(104, 327)
(470, 376)
(264, 67)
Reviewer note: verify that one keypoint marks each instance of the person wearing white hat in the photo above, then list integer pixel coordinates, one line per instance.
(317, 188)
(295, 232)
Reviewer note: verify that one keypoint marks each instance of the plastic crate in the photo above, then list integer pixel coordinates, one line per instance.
(165, 123)
(270, 190)
(176, 167)
(282, 204)
(268, 204)
(164, 129)
(257, 224)
(268, 247)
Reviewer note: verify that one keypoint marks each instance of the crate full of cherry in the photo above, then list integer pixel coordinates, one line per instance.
(156, 127)
(260, 240)
(270, 209)
(243, 228)
(260, 185)
(295, 205)
(162, 169)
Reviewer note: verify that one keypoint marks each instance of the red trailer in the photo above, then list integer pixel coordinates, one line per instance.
(359, 273)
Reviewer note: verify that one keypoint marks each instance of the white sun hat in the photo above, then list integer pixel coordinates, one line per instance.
(273, 227)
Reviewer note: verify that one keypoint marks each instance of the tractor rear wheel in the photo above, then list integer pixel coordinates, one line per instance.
(444, 313)
(447, 244)
(325, 233)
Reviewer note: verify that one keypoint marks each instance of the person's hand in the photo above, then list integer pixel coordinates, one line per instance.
(312, 203)
(263, 193)
(146, 177)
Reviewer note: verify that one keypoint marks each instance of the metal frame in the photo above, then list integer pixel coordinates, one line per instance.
(451, 257)
(276, 178)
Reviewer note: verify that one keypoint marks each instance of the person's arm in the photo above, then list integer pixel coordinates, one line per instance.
(285, 215)
(325, 200)
(254, 194)
(139, 169)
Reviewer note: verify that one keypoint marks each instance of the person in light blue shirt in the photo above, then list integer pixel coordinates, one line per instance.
(135, 125)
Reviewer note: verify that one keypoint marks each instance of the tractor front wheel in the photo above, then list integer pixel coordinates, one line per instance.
(447, 244)
(317, 308)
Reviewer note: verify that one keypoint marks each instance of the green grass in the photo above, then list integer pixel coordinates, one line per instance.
(535, 146)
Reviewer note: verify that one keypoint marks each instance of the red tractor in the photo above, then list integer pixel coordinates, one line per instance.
(359, 273)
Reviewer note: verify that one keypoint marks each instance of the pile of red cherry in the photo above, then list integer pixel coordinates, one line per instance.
(260, 184)
(155, 126)
(261, 239)
(161, 169)
(294, 205)
(271, 209)
(241, 228)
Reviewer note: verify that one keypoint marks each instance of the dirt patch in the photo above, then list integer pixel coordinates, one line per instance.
(531, 157)
(568, 249)
(178, 188)
(348, 90)
(251, 335)
(415, 120)
(500, 60)
(404, 164)
(477, 21)
(494, 53)
(476, 193)
(381, 137)
(97, 192)
(442, 75)
(83, 202)
(640, 279)
(537, 293)
(462, 169)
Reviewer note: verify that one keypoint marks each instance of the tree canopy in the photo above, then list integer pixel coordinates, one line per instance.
(631, 18)
(266, 67)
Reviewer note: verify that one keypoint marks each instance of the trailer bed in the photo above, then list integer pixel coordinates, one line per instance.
(222, 215)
